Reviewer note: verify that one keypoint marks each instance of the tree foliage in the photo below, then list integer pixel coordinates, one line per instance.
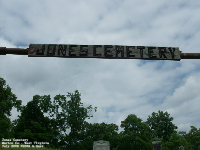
(61, 121)
(161, 125)
(70, 117)
(193, 138)
(32, 124)
(8, 100)
(101, 131)
(136, 134)
(175, 141)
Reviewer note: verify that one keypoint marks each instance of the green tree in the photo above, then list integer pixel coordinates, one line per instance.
(8, 100)
(70, 116)
(182, 133)
(175, 141)
(101, 131)
(136, 134)
(32, 124)
(60, 121)
(193, 138)
(161, 125)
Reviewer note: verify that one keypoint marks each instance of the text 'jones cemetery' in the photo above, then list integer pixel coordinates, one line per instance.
(104, 51)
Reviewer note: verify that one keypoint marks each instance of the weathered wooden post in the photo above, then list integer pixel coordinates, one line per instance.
(157, 145)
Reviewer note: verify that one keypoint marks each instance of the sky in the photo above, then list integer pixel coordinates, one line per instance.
(117, 87)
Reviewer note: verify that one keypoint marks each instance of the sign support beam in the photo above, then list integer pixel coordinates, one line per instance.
(190, 55)
(16, 51)
(25, 51)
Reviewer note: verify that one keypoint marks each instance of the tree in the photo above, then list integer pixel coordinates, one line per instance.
(182, 133)
(8, 100)
(70, 116)
(136, 134)
(161, 125)
(32, 124)
(61, 121)
(193, 138)
(175, 141)
(101, 131)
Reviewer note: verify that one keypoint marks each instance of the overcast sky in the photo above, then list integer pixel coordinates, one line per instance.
(116, 87)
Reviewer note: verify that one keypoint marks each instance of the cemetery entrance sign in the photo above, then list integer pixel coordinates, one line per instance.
(104, 51)
(101, 51)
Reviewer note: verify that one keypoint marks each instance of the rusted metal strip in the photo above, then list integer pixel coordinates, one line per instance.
(17, 51)
(190, 55)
